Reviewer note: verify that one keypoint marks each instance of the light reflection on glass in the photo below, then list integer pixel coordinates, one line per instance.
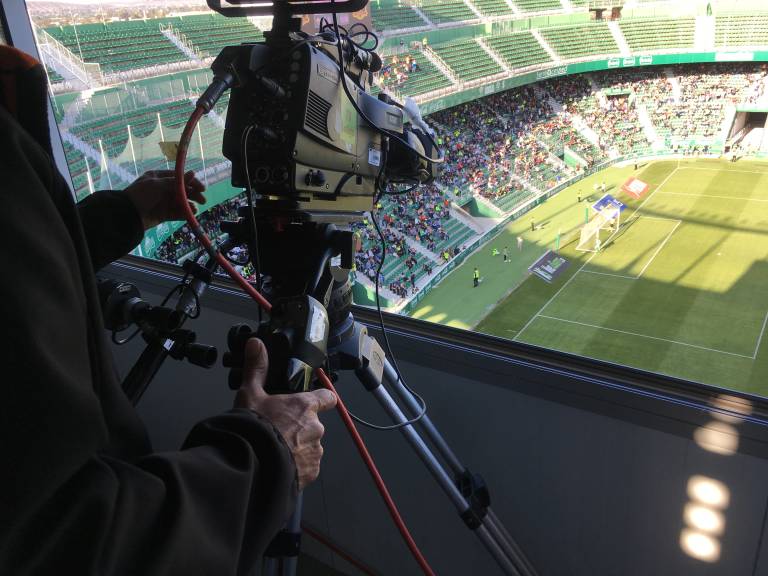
(709, 491)
(717, 437)
(700, 546)
(704, 519)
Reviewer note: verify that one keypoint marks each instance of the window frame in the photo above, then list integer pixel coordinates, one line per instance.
(19, 33)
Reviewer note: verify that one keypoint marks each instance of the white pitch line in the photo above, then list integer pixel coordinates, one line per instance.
(646, 336)
(760, 338)
(608, 274)
(722, 170)
(659, 217)
(659, 248)
(715, 196)
(555, 295)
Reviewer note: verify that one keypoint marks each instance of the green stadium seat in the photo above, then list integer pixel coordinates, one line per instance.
(395, 17)
(426, 78)
(518, 50)
(538, 5)
(741, 30)
(440, 11)
(588, 39)
(644, 35)
(468, 59)
(493, 7)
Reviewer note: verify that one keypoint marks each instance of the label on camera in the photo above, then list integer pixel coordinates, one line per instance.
(374, 156)
(318, 325)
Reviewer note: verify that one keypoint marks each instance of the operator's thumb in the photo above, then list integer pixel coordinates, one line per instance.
(256, 365)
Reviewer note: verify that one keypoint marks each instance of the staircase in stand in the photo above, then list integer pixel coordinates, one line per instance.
(96, 156)
(440, 65)
(179, 40)
(544, 44)
(618, 36)
(677, 91)
(648, 128)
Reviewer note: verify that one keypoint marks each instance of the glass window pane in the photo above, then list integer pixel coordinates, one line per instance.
(123, 81)
(603, 186)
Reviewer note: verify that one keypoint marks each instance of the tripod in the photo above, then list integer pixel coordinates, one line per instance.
(349, 347)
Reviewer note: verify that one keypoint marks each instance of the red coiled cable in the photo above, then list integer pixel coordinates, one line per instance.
(197, 230)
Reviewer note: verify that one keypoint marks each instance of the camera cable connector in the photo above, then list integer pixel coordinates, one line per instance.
(224, 77)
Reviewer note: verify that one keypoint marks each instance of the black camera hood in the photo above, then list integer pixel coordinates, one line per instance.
(235, 8)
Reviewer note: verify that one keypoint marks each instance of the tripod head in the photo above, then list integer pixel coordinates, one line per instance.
(306, 279)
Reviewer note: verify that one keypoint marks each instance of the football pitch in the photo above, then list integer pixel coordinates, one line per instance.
(682, 289)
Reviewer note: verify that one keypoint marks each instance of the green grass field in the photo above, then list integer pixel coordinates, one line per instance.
(682, 289)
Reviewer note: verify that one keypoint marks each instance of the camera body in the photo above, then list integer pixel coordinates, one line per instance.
(304, 138)
(307, 143)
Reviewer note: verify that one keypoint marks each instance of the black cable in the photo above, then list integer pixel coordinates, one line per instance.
(178, 288)
(183, 285)
(422, 403)
(360, 113)
(118, 342)
(379, 187)
(253, 250)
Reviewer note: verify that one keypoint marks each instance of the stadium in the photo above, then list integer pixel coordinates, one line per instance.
(556, 354)
(544, 108)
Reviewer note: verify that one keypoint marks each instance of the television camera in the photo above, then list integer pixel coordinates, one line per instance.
(313, 149)
(302, 130)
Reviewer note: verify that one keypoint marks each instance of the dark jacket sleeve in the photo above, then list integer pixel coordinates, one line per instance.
(81, 492)
(111, 224)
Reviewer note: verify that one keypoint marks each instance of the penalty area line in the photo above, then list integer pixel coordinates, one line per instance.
(715, 196)
(648, 337)
(587, 261)
(760, 338)
(660, 247)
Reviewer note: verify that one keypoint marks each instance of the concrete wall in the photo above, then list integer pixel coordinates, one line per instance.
(590, 474)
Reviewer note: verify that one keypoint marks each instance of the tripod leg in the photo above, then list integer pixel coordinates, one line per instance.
(492, 522)
(282, 555)
(442, 477)
(390, 375)
(293, 527)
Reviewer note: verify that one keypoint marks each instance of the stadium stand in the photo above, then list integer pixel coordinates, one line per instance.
(538, 5)
(441, 11)
(119, 46)
(209, 33)
(79, 168)
(493, 8)
(53, 76)
(741, 30)
(410, 73)
(505, 149)
(394, 17)
(518, 50)
(580, 41)
(643, 35)
(467, 59)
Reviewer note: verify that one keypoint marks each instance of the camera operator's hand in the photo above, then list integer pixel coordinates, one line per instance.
(294, 415)
(154, 195)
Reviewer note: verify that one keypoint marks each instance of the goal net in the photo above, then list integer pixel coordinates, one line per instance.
(596, 233)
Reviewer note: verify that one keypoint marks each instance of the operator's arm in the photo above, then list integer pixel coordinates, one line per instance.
(81, 493)
(112, 226)
(114, 221)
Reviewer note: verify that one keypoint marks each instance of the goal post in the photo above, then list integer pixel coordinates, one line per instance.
(599, 231)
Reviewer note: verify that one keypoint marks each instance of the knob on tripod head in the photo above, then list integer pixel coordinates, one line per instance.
(122, 305)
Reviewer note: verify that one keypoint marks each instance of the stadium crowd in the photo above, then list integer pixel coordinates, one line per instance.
(510, 146)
